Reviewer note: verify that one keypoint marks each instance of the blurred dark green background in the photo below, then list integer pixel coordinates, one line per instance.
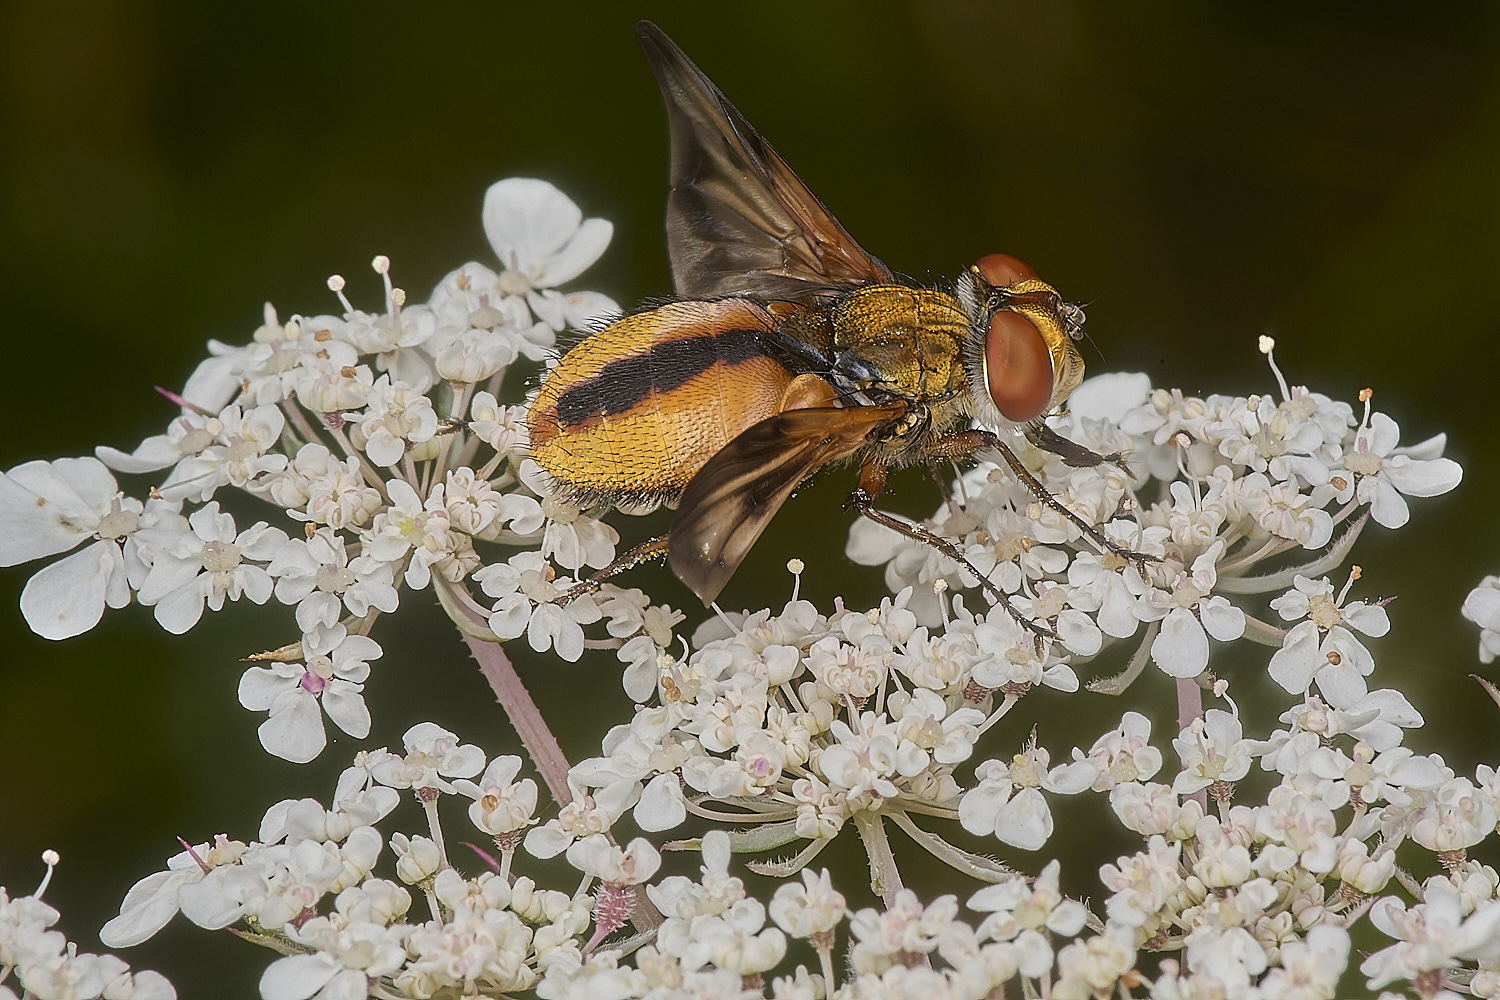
(1198, 174)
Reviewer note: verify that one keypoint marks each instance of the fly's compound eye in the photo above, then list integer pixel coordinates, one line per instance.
(1002, 270)
(1017, 363)
(1017, 367)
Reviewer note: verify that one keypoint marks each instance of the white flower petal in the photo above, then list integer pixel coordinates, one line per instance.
(385, 449)
(68, 597)
(261, 686)
(181, 609)
(1386, 505)
(1079, 633)
(548, 306)
(1293, 664)
(463, 761)
(1117, 614)
(595, 855)
(871, 544)
(147, 985)
(1417, 772)
(1371, 619)
(150, 455)
(1383, 433)
(546, 620)
(1221, 619)
(85, 478)
(639, 680)
(39, 514)
(345, 705)
(1342, 684)
(661, 806)
(1181, 647)
(1427, 450)
(148, 906)
(294, 731)
(510, 616)
(977, 809)
(1060, 677)
(547, 841)
(1423, 479)
(586, 246)
(216, 900)
(1393, 708)
(1070, 779)
(171, 570)
(298, 977)
(1024, 821)
(1109, 396)
(215, 381)
(1068, 917)
(567, 640)
(527, 219)
(588, 311)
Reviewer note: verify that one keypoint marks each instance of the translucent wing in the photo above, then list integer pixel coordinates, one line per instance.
(739, 222)
(733, 497)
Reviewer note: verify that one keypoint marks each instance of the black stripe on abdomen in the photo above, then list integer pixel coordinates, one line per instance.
(626, 382)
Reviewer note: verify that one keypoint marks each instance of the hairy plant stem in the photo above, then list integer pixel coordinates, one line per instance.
(541, 746)
(1189, 710)
(885, 878)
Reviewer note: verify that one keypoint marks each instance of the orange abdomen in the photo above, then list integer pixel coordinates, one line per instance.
(638, 408)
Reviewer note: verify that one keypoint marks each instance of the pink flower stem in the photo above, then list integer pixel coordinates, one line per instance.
(543, 749)
(369, 472)
(541, 746)
(1189, 710)
(299, 420)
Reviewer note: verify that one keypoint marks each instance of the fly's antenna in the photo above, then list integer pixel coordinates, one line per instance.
(1083, 334)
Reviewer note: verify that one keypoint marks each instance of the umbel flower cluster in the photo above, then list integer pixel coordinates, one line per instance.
(393, 465)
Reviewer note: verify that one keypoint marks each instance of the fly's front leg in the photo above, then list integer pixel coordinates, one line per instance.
(653, 548)
(1074, 454)
(872, 482)
(965, 443)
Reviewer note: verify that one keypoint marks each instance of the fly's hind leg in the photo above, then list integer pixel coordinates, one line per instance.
(872, 483)
(966, 443)
(653, 548)
(942, 484)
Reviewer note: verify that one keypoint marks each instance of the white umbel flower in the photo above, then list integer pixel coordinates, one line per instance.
(398, 417)
(51, 507)
(501, 804)
(332, 677)
(1379, 473)
(814, 907)
(432, 756)
(1482, 607)
(208, 564)
(543, 241)
(1008, 802)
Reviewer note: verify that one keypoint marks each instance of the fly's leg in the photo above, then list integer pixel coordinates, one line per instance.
(872, 482)
(942, 484)
(1074, 454)
(966, 443)
(653, 548)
